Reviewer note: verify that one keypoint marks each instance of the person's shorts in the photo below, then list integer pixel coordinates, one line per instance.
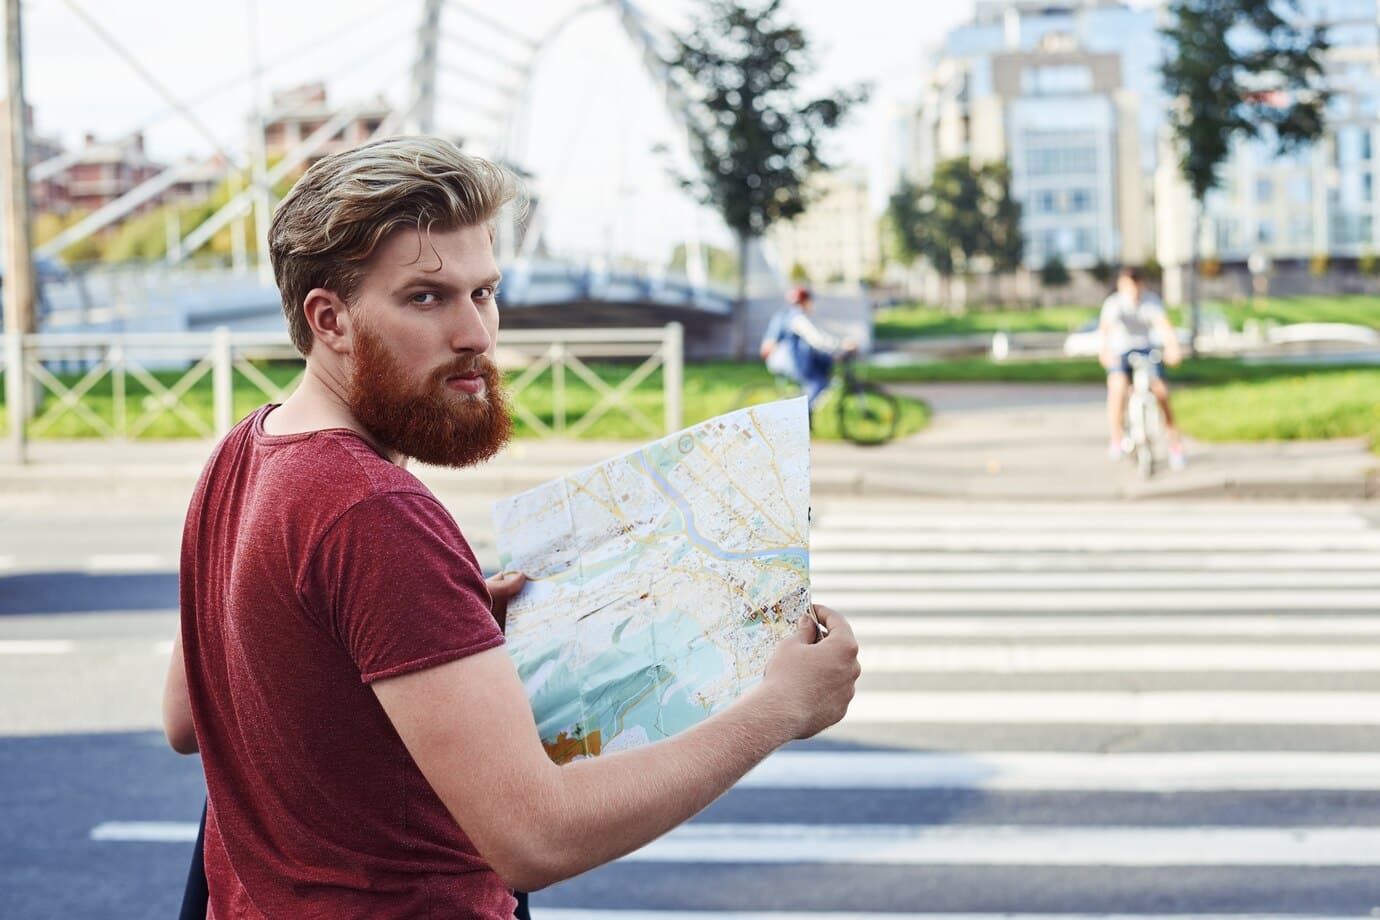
(1123, 364)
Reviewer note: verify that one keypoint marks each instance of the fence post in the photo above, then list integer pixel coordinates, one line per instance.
(672, 374)
(558, 387)
(222, 380)
(15, 396)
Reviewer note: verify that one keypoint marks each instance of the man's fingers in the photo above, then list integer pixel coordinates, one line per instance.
(805, 631)
(505, 585)
(833, 621)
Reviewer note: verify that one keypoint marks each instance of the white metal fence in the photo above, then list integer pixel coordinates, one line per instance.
(64, 369)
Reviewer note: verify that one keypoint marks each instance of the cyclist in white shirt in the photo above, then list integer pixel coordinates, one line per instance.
(1134, 322)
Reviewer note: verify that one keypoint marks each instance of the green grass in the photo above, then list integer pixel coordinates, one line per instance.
(1216, 399)
(919, 320)
(1288, 407)
(1355, 309)
(710, 389)
(1086, 370)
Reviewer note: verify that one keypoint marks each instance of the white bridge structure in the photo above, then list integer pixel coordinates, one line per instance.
(125, 328)
(494, 111)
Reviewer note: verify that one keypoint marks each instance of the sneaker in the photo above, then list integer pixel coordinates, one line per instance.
(1177, 460)
(1114, 451)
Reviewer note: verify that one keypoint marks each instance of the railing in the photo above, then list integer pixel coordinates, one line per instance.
(170, 370)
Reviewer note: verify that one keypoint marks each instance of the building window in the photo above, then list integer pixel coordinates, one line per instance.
(1265, 233)
(1085, 240)
(1060, 80)
(1367, 186)
(1365, 143)
(1264, 191)
(1081, 200)
(1045, 202)
(1300, 190)
(1061, 161)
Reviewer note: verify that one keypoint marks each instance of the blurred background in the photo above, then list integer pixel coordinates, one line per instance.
(1093, 687)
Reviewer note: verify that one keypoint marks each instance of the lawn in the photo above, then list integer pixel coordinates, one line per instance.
(919, 321)
(1297, 406)
(1355, 309)
(710, 389)
(1217, 399)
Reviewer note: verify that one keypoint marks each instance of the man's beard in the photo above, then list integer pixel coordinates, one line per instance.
(433, 423)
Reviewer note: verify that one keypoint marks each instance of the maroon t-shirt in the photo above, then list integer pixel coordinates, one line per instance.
(310, 567)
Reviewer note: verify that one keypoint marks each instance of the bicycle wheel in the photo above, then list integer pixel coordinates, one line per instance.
(1145, 440)
(868, 415)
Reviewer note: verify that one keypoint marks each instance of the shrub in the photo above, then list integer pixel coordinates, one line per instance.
(1102, 272)
(1318, 265)
(1053, 273)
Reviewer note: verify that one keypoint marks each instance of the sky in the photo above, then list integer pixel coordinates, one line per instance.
(593, 122)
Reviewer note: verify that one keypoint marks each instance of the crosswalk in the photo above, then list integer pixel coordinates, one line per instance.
(1090, 711)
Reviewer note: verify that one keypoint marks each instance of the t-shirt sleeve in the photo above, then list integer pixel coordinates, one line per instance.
(397, 585)
(1108, 316)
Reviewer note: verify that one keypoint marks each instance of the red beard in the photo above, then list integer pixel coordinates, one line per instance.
(431, 423)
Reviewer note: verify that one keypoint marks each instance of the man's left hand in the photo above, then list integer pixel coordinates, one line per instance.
(1173, 357)
(503, 587)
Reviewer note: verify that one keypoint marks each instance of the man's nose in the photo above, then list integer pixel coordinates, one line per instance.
(471, 332)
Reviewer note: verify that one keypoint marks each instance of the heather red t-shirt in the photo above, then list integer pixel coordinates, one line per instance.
(310, 567)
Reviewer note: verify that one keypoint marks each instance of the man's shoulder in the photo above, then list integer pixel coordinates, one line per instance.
(331, 471)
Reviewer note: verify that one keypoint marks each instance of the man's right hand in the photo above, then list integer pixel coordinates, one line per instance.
(813, 678)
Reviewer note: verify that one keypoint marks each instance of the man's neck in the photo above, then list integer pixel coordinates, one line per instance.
(319, 404)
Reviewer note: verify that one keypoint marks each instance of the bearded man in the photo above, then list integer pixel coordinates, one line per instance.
(368, 747)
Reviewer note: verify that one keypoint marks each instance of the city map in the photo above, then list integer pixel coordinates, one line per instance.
(660, 580)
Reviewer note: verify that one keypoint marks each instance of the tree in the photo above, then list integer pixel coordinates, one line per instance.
(1054, 274)
(1102, 272)
(1238, 70)
(964, 220)
(758, 143)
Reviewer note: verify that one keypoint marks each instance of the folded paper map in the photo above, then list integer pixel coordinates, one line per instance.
(661, 580)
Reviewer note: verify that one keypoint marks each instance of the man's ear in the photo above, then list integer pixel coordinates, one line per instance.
(329, 319)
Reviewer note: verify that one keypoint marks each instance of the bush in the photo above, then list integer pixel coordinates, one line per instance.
(1211, 267)
(1318, 265)
(1102, 272)
(1154, 271)
(1054, 274)
(799, 275)
(1369, 264)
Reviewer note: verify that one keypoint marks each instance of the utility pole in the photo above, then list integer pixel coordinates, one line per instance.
(423, 111)
(18, 289)
(263, 205)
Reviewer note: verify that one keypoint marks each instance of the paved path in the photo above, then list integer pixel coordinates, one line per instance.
(987, 441)
(1066, 712)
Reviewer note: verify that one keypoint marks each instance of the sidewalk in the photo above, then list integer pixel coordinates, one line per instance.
(987, 441)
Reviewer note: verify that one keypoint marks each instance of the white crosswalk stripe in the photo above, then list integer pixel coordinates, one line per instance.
(1035, 602)
(1066, 712)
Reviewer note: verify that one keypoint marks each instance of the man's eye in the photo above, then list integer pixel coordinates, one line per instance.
(486, 293)
(426, 298)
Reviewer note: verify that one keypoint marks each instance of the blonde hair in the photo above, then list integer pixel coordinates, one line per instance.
(336, 215)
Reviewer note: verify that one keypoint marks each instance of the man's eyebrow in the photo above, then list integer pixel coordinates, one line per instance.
(431, 281)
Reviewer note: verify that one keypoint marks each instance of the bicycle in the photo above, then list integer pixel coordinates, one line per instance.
(1144, 421)
(867, 414)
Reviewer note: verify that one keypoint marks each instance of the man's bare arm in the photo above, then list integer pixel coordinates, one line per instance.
(469, 726)
(1169, 340)
(177, 706)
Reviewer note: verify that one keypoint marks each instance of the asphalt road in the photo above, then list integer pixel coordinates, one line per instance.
(1070, 710)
